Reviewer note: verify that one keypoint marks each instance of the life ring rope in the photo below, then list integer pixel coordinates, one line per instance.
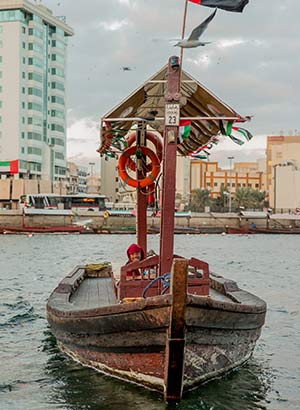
(155, 141)
(123, 165)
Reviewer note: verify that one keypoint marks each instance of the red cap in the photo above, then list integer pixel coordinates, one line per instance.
(134, 248)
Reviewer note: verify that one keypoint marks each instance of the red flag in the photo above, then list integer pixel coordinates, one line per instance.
(228, 5)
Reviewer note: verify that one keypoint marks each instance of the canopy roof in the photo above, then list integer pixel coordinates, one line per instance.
(147, 103)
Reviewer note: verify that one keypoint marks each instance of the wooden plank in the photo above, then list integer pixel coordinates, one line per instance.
(93, 293)
(174, 365)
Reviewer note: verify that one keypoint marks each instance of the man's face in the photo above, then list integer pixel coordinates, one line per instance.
(136, 256)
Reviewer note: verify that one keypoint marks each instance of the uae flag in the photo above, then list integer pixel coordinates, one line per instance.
(184, 129)
(228, 5)
(9, 167)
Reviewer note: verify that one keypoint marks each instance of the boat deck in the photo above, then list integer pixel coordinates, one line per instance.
(98, 292)
(93, 293)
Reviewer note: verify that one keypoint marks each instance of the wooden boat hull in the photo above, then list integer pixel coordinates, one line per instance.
(130, 340)
(41, 229)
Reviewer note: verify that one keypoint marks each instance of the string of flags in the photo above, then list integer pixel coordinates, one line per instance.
(227, 129)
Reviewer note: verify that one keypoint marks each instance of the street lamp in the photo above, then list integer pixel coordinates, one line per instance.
(229, 190)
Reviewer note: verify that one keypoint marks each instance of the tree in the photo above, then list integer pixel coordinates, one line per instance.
(249, 198)
(199, 199)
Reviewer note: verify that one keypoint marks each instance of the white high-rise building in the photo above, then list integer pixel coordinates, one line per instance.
(33, 46)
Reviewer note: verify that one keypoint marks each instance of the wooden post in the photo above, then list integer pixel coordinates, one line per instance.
(175, 347)
(169, 166)
(141, 217)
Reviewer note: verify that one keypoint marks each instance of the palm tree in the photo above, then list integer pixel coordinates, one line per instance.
(199, 199)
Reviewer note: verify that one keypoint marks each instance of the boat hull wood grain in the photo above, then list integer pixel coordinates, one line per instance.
(133, 341)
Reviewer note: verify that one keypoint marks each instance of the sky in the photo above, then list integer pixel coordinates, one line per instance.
(253, 63)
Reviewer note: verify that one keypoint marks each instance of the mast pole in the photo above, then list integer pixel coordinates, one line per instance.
(142, 200)
(183, 30)
(172, 116)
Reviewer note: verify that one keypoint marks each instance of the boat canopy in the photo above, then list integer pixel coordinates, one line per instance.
(147, 104)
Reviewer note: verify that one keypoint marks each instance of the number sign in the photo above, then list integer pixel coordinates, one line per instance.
(172, 115)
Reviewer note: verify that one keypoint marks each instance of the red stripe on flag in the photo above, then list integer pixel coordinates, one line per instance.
(14, 167)
(196, 1)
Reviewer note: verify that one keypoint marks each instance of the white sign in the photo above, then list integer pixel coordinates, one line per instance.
(172, 115)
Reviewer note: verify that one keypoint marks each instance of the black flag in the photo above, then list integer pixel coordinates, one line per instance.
(228, 5)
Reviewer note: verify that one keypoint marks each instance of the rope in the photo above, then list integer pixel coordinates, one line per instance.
(165, 280)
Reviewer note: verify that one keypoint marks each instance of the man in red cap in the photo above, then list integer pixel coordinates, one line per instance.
(134, 253)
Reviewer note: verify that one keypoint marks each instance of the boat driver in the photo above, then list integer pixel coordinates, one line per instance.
(134, 253)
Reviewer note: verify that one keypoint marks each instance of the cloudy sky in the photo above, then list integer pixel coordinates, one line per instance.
(253, 63)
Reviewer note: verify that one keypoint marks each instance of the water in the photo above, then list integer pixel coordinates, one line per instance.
(35, 375)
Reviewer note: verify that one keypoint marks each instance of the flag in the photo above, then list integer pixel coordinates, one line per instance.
(9, 167)
(184, 129)
(244, 132)
(228, 5)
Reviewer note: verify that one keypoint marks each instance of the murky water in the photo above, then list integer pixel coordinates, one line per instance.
(35, 375)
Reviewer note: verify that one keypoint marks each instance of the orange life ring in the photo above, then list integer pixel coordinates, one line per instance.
(123, 164)
(155, 141)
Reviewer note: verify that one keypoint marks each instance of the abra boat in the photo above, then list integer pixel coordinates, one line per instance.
(175, 324)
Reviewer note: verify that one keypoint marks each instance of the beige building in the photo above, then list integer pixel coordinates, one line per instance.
(33, 46)
(208, 175)
(283, 172)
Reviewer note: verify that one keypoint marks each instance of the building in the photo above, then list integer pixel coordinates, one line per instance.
(208, 175)
(110, 181)
(33, 45)
(283, 175)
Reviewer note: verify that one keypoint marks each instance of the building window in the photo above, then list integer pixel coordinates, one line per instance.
(23, 74)
(23, 120)
(36, 32)
(59, 58)
(34, 136)
(1, 59)
(57, 127)
(12, 15)
(256, 185)
(59, 155)
(35, 77)
(57, 86)
(215, 184)
(34, 150)
(35, 91)
(0, 88)
(35, 106)
(0, 119)
(23, 135)
(58, 71)
(24, 44)
(239, 185)
(58, 114)
(24, 30)
(57, 141)
(23, 150)
(35, 61)
(233, 185)
(1, 104)
(58, 100)
(35, 47)
(24, 60)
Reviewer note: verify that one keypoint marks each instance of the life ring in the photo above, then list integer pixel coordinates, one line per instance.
(123, 164)
(106, 214)
(155, 141)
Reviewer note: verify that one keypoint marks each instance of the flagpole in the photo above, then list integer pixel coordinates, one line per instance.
(183, 30)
